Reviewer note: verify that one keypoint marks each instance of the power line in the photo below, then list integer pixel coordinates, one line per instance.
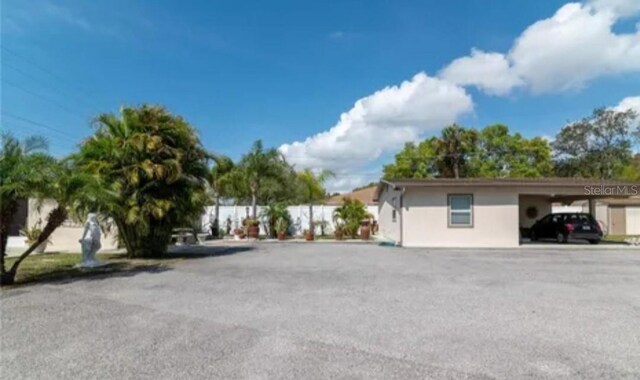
(47, 71)
(43, 97)
(45, 84)
(29, 121)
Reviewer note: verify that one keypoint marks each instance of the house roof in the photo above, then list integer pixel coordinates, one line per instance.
(366, 196)
(574, 184)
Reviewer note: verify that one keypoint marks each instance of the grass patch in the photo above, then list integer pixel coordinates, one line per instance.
(61, 266)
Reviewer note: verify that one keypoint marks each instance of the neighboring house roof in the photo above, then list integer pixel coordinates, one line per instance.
(570, 183)
(366, 196)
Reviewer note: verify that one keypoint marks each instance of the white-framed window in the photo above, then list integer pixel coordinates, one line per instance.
(460, 210)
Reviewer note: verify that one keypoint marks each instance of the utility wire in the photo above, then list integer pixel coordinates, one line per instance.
(45, 84)
(29, 121)
(47, 71)
(43, 97)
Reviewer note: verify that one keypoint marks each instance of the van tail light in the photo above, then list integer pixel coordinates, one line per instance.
(569, 227)
(598, 228)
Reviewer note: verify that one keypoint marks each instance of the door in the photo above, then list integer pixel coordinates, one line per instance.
(633, 220)
(618, 217)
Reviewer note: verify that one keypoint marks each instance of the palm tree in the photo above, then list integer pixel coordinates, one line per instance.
(73, 192)
(312, 189)
(454, 147)
(219, 180)
(257, 165)
(25, 169)
(156, 165)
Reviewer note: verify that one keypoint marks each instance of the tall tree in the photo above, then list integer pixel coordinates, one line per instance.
(632, 171)
(454, 148)
(156, 165)
(255, 167)
(25, 170)
(598, 146)
(312, 189)
(502, 154)
(219, 180)
(415, 161)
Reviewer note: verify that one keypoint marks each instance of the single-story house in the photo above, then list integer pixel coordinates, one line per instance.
(475, 212)
(32, 213)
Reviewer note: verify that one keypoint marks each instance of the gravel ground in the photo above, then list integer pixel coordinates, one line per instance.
(317, 311)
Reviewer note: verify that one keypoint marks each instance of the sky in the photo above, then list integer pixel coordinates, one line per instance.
(338, 85)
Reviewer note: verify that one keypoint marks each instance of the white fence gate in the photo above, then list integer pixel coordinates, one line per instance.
(299, 217)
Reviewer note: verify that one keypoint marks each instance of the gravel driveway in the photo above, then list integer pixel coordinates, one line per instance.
(318, 311)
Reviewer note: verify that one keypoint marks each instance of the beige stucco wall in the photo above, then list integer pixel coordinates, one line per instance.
(64, 238)
(388, 228)
(541, 203)
(495, 218)
(633, 220)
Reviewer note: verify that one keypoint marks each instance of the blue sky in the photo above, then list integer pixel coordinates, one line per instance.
(285, 71)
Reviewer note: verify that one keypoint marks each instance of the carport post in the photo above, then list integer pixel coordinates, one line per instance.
(592, 207)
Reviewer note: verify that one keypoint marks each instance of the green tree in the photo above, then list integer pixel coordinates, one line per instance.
(598, 146)
(350, 215)
(415, 161)
(502, 154)
(632, 171)
(274, 212)
(459, 152)
(155, 164)
(25, 170)
(72, 190)
(256, 167)
(312, 189)
(220, 181)
(455, 146)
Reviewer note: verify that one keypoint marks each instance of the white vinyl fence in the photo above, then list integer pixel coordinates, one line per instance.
(299, 217)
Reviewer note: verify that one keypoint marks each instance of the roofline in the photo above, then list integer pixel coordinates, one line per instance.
(531, 183)
(506, 182)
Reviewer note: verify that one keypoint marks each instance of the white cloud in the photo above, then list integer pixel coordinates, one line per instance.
(630, 103)
(490, 72)
(381, 122)
(563, 52)
(621, 8)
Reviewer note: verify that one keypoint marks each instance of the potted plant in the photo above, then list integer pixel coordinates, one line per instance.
(238, 234)
(308, 235)
(253, 228)
(365, 227)
(32, 234)
(281, 227)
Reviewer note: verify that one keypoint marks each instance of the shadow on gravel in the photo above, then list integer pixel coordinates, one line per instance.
(61, 268)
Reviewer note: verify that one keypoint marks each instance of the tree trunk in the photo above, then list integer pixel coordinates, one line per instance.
(7, 211)
(311, 226)
(56, 217)
(456, 170)
(254, 205)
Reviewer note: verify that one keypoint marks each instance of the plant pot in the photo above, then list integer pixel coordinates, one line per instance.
(308, 236)
(41, 248)
(281, 235)
(339, 235)
(365, 232)
(254, 231)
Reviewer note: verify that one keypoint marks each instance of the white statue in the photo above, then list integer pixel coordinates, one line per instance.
(90, 242)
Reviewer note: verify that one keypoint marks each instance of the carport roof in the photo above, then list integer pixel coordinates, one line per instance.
(572, 185)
